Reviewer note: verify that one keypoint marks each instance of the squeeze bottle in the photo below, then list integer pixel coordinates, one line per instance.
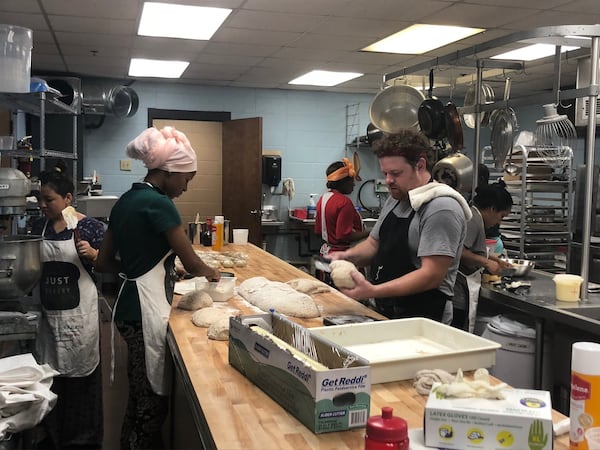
(217, 235)
(311, 211)
(584, 411)
(386, 432)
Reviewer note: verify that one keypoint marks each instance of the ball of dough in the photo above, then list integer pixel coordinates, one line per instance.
(205, 317)
(219, 330)
(340, 273)
(195, 300)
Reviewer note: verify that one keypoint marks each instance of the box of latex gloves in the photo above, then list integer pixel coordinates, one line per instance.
(521, 420)
(323, 385)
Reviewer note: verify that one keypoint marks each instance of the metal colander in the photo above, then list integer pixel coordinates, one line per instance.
(555, 137)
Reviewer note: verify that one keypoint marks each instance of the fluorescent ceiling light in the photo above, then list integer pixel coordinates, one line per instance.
(532, 52)
(181, 21)
(421, 38)
(157, 68)
(325, 78)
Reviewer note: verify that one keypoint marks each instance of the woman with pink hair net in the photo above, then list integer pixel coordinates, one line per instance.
(144, 236)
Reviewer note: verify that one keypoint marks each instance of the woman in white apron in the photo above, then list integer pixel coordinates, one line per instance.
(69, 335)
(337, 220)
(146, 233)
(490, 205)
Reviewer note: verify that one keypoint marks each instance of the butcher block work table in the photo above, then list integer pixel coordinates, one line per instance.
(227, 411)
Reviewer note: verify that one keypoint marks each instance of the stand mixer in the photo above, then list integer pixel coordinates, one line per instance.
(20, 260)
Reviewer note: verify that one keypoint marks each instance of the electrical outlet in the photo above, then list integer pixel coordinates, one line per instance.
(125, 164)
(380, 186)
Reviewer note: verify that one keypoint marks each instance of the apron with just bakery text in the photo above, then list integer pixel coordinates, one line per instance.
(155, 289)
(69, 333)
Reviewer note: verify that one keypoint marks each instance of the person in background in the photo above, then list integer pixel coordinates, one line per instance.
(337, 220)
(492, 202)
(68, 338)
(414, 247)
(144, 236)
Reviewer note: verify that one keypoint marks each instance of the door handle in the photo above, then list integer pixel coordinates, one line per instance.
(255, 211)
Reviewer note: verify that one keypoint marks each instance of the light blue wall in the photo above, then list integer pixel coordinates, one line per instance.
(309, 128)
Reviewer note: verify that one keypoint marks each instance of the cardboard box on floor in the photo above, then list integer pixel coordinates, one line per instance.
(522, 420)
(324, 400)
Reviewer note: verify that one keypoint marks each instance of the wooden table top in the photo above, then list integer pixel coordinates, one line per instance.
(238, 413)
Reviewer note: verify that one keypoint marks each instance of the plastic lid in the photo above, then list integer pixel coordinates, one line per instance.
(510, 327)
(387, 427)
(585, 358)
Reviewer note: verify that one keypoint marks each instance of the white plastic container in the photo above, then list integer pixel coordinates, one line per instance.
(515, 361)
(568, 287)
(15, 58)
(398, 348)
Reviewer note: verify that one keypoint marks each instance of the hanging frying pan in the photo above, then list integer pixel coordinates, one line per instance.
(454, 131)
(431, 115)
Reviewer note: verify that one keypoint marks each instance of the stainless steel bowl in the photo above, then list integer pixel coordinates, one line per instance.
(20, 265)
(520, 267)
(395, 108)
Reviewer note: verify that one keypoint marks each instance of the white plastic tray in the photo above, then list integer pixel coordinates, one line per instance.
(398, 348)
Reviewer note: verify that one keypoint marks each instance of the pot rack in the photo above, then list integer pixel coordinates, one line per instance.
(587, 37)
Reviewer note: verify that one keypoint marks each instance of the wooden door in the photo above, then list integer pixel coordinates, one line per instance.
(242, 175)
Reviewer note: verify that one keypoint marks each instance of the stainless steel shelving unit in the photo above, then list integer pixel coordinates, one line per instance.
(539, 226)
(40, 104)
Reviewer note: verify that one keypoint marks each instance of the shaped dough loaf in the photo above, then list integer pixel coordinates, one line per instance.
(308, 286)
(219, 330)
(205, 317)
(267, 295)
(340, 273)
(195, 300)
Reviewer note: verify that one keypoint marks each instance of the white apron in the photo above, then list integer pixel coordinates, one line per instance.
(319, 264)
(69, 333)
(473, 288)
(155, 317)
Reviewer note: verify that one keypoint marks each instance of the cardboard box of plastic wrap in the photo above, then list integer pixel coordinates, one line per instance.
(522, 420)
(332, 398)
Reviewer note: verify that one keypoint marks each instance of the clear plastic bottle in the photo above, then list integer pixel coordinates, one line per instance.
(311, 210)
(217, 235)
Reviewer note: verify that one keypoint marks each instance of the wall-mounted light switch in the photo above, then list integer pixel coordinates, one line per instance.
(125, 164)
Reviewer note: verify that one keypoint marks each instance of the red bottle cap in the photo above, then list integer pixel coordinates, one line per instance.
(387, 427)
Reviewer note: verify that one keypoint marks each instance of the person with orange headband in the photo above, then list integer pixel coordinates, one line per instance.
(144, 236)
(337, 220)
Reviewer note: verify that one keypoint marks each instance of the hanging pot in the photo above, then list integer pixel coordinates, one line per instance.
(456, 171)
(454, 131)
(431, 115)
(487, 96)
(395, 108)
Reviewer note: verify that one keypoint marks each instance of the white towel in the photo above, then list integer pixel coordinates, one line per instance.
(424, 194)
(289, 188)
(25, 396)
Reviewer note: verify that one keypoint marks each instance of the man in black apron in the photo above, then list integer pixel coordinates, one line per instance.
(414, 248)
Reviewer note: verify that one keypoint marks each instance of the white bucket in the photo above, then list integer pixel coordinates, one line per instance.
(515, 361)
(15, 58)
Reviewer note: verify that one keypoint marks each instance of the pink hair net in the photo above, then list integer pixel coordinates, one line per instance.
(166, 149)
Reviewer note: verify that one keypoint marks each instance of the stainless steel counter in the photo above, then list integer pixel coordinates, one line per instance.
(541, 305)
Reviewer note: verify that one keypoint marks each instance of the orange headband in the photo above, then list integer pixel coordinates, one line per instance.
(343, 172)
